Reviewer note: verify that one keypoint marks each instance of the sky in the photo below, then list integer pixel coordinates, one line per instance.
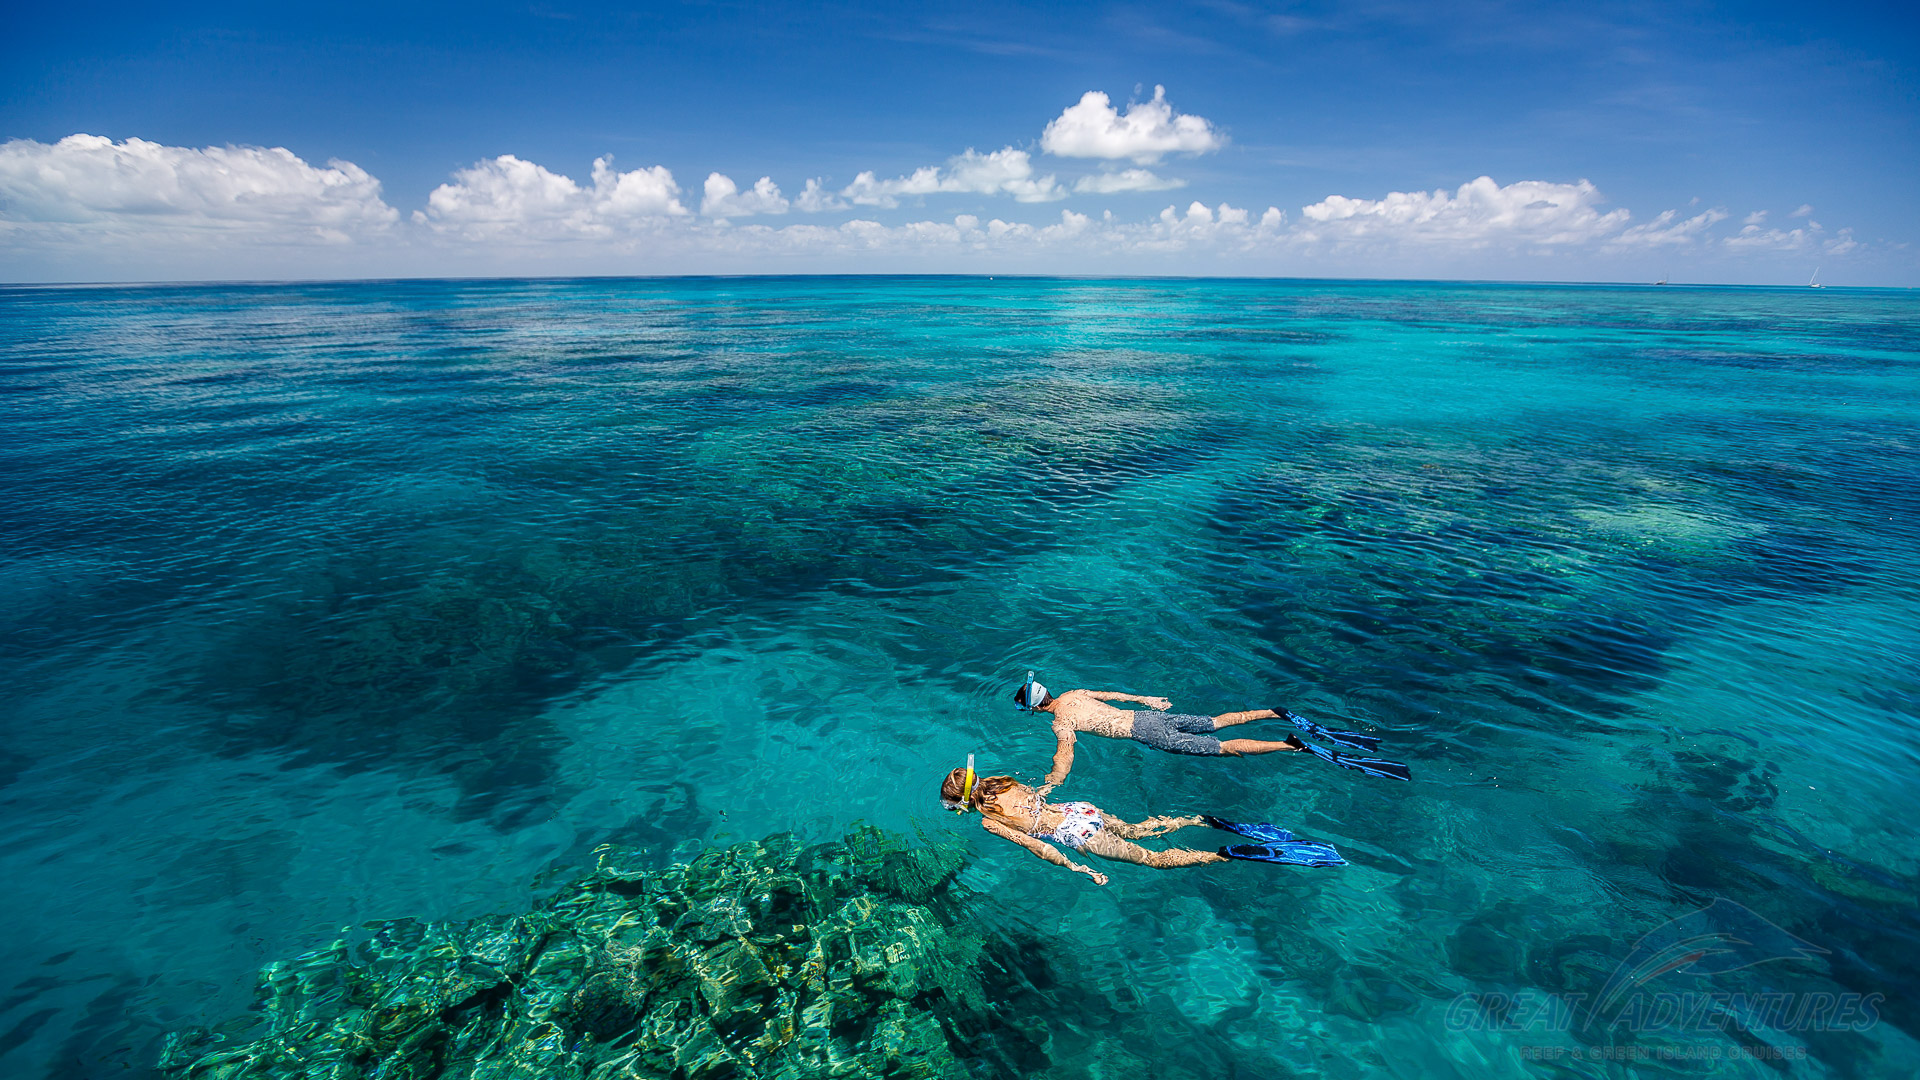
(1697, 142)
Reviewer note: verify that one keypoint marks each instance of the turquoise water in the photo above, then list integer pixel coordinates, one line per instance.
(331, 603)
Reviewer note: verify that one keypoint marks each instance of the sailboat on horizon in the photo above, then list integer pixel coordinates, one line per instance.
(1811, 283)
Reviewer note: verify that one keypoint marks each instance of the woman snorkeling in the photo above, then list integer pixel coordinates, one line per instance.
(1013, 811)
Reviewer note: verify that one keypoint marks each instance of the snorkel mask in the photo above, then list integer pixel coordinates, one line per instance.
(966, 789)
(1031, 695)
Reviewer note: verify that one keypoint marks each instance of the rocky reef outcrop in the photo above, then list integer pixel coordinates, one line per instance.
(858, 959)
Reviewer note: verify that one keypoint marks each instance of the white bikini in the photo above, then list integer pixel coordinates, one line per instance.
(1077, 826)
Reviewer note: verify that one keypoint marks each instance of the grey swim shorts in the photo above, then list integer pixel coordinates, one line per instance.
(1175, 733)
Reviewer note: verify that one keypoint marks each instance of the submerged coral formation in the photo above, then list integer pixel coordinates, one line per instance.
(771, 959)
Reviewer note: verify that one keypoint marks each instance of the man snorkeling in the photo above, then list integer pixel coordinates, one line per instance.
(1087, 711)
(1013, 811)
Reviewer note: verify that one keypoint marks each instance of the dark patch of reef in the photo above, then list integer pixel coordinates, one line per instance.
(860, 959)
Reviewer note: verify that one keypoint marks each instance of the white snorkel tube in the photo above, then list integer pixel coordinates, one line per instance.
(1031, 695)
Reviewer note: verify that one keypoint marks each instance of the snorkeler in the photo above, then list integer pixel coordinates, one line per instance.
(1013, 811)
(1087, 711)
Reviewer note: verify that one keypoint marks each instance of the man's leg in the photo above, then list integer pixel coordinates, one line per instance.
(1228, 719)
(1255, 746)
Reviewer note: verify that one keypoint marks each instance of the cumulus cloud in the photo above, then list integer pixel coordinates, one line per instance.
(1108, 183)
(506, 197)
(817, 199)
(1006, 171)
(1810, 237)
(83, 202)
(1481, 213)
(1093, 128)
(724, 199)
(1669, 230)
(1753, 238)
(1201, 217)
(1200, 231)
(91, 183)
(1806, 210)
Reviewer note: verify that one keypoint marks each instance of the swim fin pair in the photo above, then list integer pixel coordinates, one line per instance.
(1352, 740)
(1276, 845)
(1381, 767)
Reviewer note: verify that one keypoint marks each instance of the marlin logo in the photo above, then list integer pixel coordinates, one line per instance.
(1723, 936)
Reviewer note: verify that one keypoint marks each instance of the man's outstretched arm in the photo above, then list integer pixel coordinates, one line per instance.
(1062, 758)
(1114, 695)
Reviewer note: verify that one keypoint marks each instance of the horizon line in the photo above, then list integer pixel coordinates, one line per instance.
(503, 278)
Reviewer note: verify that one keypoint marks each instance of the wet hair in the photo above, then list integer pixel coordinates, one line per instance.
(1020, 697)
(985, 788)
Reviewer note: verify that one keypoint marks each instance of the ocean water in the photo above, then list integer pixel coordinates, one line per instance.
(328, 603)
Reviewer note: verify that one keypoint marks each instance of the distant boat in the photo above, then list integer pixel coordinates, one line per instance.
(1662, 281)
(1812, 284)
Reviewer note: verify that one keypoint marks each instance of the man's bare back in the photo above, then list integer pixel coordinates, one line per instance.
(1088, 711)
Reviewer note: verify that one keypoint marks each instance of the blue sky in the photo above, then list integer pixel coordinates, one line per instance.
(1304, 139)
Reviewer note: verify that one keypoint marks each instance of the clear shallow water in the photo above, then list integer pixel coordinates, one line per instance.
(328, 603)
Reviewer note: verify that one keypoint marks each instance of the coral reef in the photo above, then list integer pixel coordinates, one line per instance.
(772, 959)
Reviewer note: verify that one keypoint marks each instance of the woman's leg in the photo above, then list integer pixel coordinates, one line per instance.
(1153, 826)
(1108, 846)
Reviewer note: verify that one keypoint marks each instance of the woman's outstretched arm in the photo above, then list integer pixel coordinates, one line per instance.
(1044, 850)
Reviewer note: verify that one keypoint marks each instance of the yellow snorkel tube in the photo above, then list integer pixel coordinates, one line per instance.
(966, 789)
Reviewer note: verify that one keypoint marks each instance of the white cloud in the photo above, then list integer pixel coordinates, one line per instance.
(816, 199)
(1668, 230)
(89, 207)
(641, 193)
(91, 184)
(1201, 231)
(1480, 214)
(724, 199)
(1758, 217)
(508, 198)
(1810, 237)
(1149, 130)
(1006, 171)
(1201, 217)
(1108, 183)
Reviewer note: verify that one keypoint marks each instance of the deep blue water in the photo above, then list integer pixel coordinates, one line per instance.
(329, 603)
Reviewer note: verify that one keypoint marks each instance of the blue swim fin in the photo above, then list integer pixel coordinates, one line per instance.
(1352, 740)
(1296, 853)
(1261, 831)
(1391, 770)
